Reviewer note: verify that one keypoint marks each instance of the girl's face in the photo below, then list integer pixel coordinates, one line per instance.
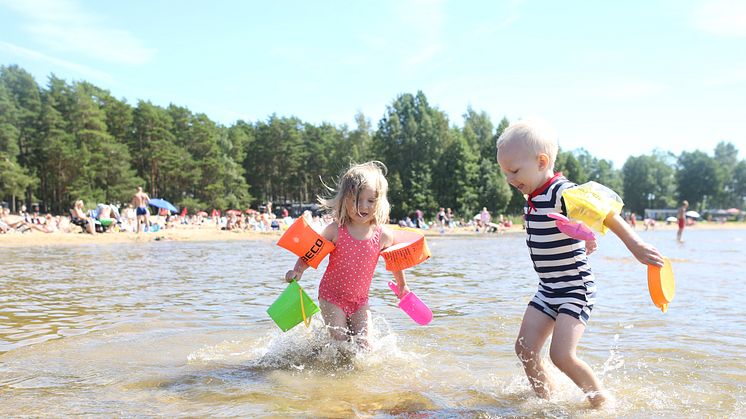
(524, 170)
(364, 210)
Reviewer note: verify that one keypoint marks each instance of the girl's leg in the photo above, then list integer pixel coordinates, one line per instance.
(567, 334)
(535, 329)
(335, 319)
(360, 324)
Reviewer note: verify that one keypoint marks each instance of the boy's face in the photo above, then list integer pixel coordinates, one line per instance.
(522, 168)
(366, 205)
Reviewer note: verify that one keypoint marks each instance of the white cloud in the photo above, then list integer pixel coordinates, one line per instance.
(722, 17)
(83, 70)
(65, 27)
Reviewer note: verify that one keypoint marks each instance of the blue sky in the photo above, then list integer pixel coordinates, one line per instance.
(616, 78)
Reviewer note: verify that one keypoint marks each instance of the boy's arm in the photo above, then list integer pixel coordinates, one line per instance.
(642, 251)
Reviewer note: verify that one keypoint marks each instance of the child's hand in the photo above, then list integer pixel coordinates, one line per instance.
(590, 246)
(292, 274)
(646, 254)
(403, 291)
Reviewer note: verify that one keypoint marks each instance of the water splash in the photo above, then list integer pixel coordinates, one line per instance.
(309, 349)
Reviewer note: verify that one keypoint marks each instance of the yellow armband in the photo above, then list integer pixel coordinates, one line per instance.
(591, 203)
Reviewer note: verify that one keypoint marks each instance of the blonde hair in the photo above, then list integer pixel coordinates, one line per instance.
(357, 177)
(535, 134)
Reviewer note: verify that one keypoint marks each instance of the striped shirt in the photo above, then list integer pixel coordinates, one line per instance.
(566, 282)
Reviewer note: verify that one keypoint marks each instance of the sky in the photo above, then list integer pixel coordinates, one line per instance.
(615, 78)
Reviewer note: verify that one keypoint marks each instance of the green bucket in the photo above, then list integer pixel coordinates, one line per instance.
(292, 307)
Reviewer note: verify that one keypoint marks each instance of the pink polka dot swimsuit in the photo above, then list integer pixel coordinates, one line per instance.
(347, 279)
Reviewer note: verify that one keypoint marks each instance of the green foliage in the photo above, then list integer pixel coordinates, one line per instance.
(14, 181)
(76, 141)
(648, 183)
(571, 167)
(410, 138)
(698, 178)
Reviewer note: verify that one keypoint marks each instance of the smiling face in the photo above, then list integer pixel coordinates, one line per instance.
(523, 169)
(362, 210)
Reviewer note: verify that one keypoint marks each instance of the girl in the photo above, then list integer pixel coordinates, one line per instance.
(359, 210)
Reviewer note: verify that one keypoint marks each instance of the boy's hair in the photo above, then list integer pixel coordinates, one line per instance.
(357, 177)
(535, 134)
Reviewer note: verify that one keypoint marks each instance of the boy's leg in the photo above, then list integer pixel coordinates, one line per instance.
(567, 334)
(335, 319)
(535, 329)
(360, 324)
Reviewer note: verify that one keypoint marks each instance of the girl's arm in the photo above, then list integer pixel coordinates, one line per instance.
(297, 271)
(642, 251)
(330, 233)
(401, 283)
(387, 240)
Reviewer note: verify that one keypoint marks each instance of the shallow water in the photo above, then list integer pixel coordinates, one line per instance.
(180, 329)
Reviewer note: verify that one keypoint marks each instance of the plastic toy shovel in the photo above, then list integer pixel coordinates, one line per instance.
(661, 285)
(575, 230)
(413, 306)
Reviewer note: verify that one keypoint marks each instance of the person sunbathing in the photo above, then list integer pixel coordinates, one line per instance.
(81, 219)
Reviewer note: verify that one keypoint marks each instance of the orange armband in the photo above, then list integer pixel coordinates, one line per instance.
(409, 249)
(306, 243)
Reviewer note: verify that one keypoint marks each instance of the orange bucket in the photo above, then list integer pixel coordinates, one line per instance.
(409, 249)
(306, 243)
(661, 284)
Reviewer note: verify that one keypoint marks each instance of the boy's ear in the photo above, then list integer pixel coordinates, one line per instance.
(543, 159)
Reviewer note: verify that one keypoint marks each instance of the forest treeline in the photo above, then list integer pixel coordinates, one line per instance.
(67, 141)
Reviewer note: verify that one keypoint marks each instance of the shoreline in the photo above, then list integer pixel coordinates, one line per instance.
(209, 233)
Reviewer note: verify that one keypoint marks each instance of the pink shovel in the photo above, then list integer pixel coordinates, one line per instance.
(413, 306)
(575, 230)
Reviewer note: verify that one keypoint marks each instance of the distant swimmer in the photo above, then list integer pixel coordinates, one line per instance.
(681, 218)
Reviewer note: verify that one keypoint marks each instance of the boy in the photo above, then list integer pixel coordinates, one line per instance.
(526, 152)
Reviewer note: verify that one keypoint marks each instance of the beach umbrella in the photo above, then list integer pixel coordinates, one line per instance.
(692, 214)
(671, 219)
(162, 203)
(231, 212)
(733, 211)
(202, 214)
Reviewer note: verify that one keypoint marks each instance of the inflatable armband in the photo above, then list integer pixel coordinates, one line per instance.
(590, 203)
(409, 249)
(306, 243)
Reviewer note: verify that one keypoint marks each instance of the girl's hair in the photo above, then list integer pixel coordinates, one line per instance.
(533, 133)
(358, 177)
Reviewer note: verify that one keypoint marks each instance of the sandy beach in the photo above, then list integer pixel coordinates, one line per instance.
(209, 233)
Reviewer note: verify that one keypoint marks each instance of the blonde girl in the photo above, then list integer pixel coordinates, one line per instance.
(360, 211)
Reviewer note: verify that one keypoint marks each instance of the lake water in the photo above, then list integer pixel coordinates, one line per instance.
(180, 329)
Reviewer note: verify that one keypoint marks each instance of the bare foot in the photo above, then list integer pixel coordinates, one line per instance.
(600, 400)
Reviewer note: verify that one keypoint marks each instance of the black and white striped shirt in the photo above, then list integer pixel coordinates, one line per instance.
(560, 260)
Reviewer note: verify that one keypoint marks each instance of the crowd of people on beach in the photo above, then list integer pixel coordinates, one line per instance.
(138, 216)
